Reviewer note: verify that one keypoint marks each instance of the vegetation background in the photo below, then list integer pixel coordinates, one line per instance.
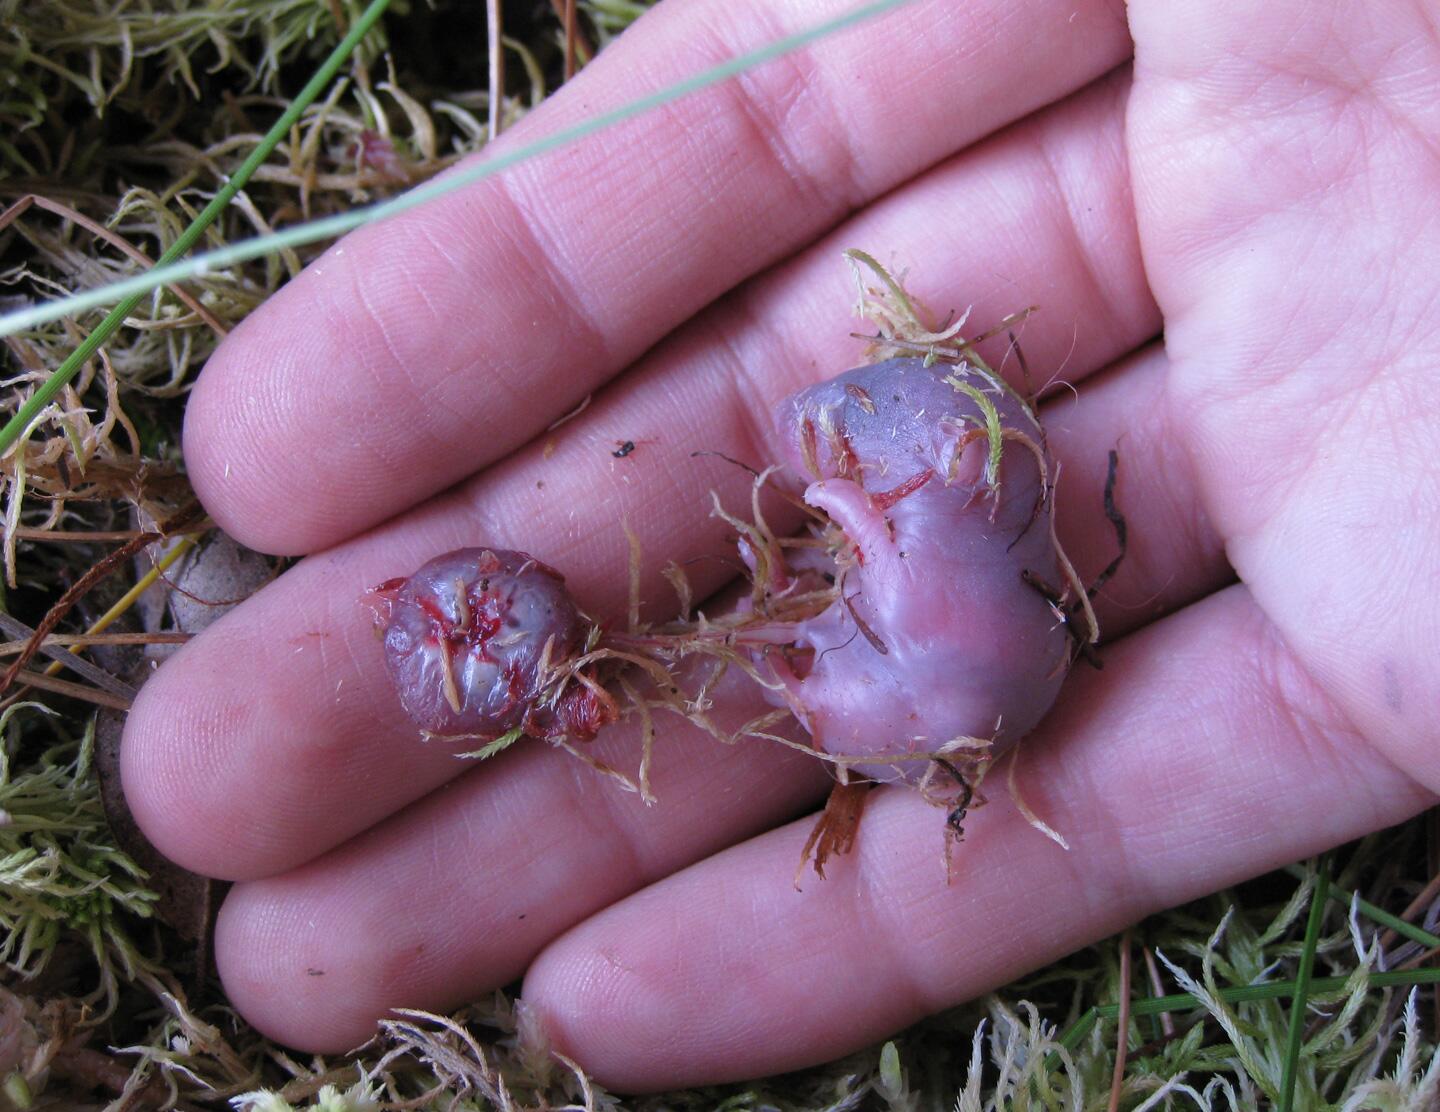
(119, 121)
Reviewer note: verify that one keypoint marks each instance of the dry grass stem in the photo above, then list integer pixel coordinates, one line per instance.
(1122, 1026)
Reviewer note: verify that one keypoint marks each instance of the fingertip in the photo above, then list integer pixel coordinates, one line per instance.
(167, 768)
(281, 970)
(255, 470)
(611, 993)
(220, 459)
(578, 995)
(216, 756)
(326, 410)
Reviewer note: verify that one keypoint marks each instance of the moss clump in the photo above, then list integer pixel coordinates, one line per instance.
(60, 870)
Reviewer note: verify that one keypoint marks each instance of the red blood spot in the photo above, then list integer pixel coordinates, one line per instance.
(847, 463)
(441, 624)
(861, 396)
(581, 714)
(515, 686)
(380, 600)
(887, 498)
(808, 451)
(487, 616)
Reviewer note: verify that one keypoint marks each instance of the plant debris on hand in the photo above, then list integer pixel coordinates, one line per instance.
(920, 624)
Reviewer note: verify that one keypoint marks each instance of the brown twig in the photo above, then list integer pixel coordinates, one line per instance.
(577, 45)
(1122, 1034)
(76, 536)
(173, 524)
(1024, 366)
(569, 18)
(110, 236)
(74, 690)
(494, 31)
(90, 1070)
(95, 674)
(1167, 1021)
(85, 640)
(1427, 896)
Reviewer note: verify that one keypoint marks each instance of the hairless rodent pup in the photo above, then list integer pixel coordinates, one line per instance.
(920, 625)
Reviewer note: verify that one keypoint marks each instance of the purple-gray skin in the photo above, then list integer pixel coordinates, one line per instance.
(951, 641)
(938, 642)
(468, 639)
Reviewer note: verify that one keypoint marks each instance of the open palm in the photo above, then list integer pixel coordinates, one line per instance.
(1260, 185)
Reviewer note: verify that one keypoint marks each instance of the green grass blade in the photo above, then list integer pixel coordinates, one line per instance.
(1083, 1026)
(1296, 1033)
(1244, 994)
(1378, 914)
(331, 226)
(130, 297)
(1277, 990)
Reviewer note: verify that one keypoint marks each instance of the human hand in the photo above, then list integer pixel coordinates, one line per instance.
(1258, 189)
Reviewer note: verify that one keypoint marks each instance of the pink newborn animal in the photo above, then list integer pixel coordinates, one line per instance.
(939, 633)
(471, 640)
(945, 635)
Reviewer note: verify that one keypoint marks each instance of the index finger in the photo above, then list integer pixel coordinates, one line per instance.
(418, 350)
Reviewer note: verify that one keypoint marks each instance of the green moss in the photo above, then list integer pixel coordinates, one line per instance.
(60, 870)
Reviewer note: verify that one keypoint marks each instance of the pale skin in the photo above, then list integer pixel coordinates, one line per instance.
(1260, 184)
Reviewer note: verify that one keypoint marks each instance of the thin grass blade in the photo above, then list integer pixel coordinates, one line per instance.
(132, 292)
(332, 226)
(1303, 977)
